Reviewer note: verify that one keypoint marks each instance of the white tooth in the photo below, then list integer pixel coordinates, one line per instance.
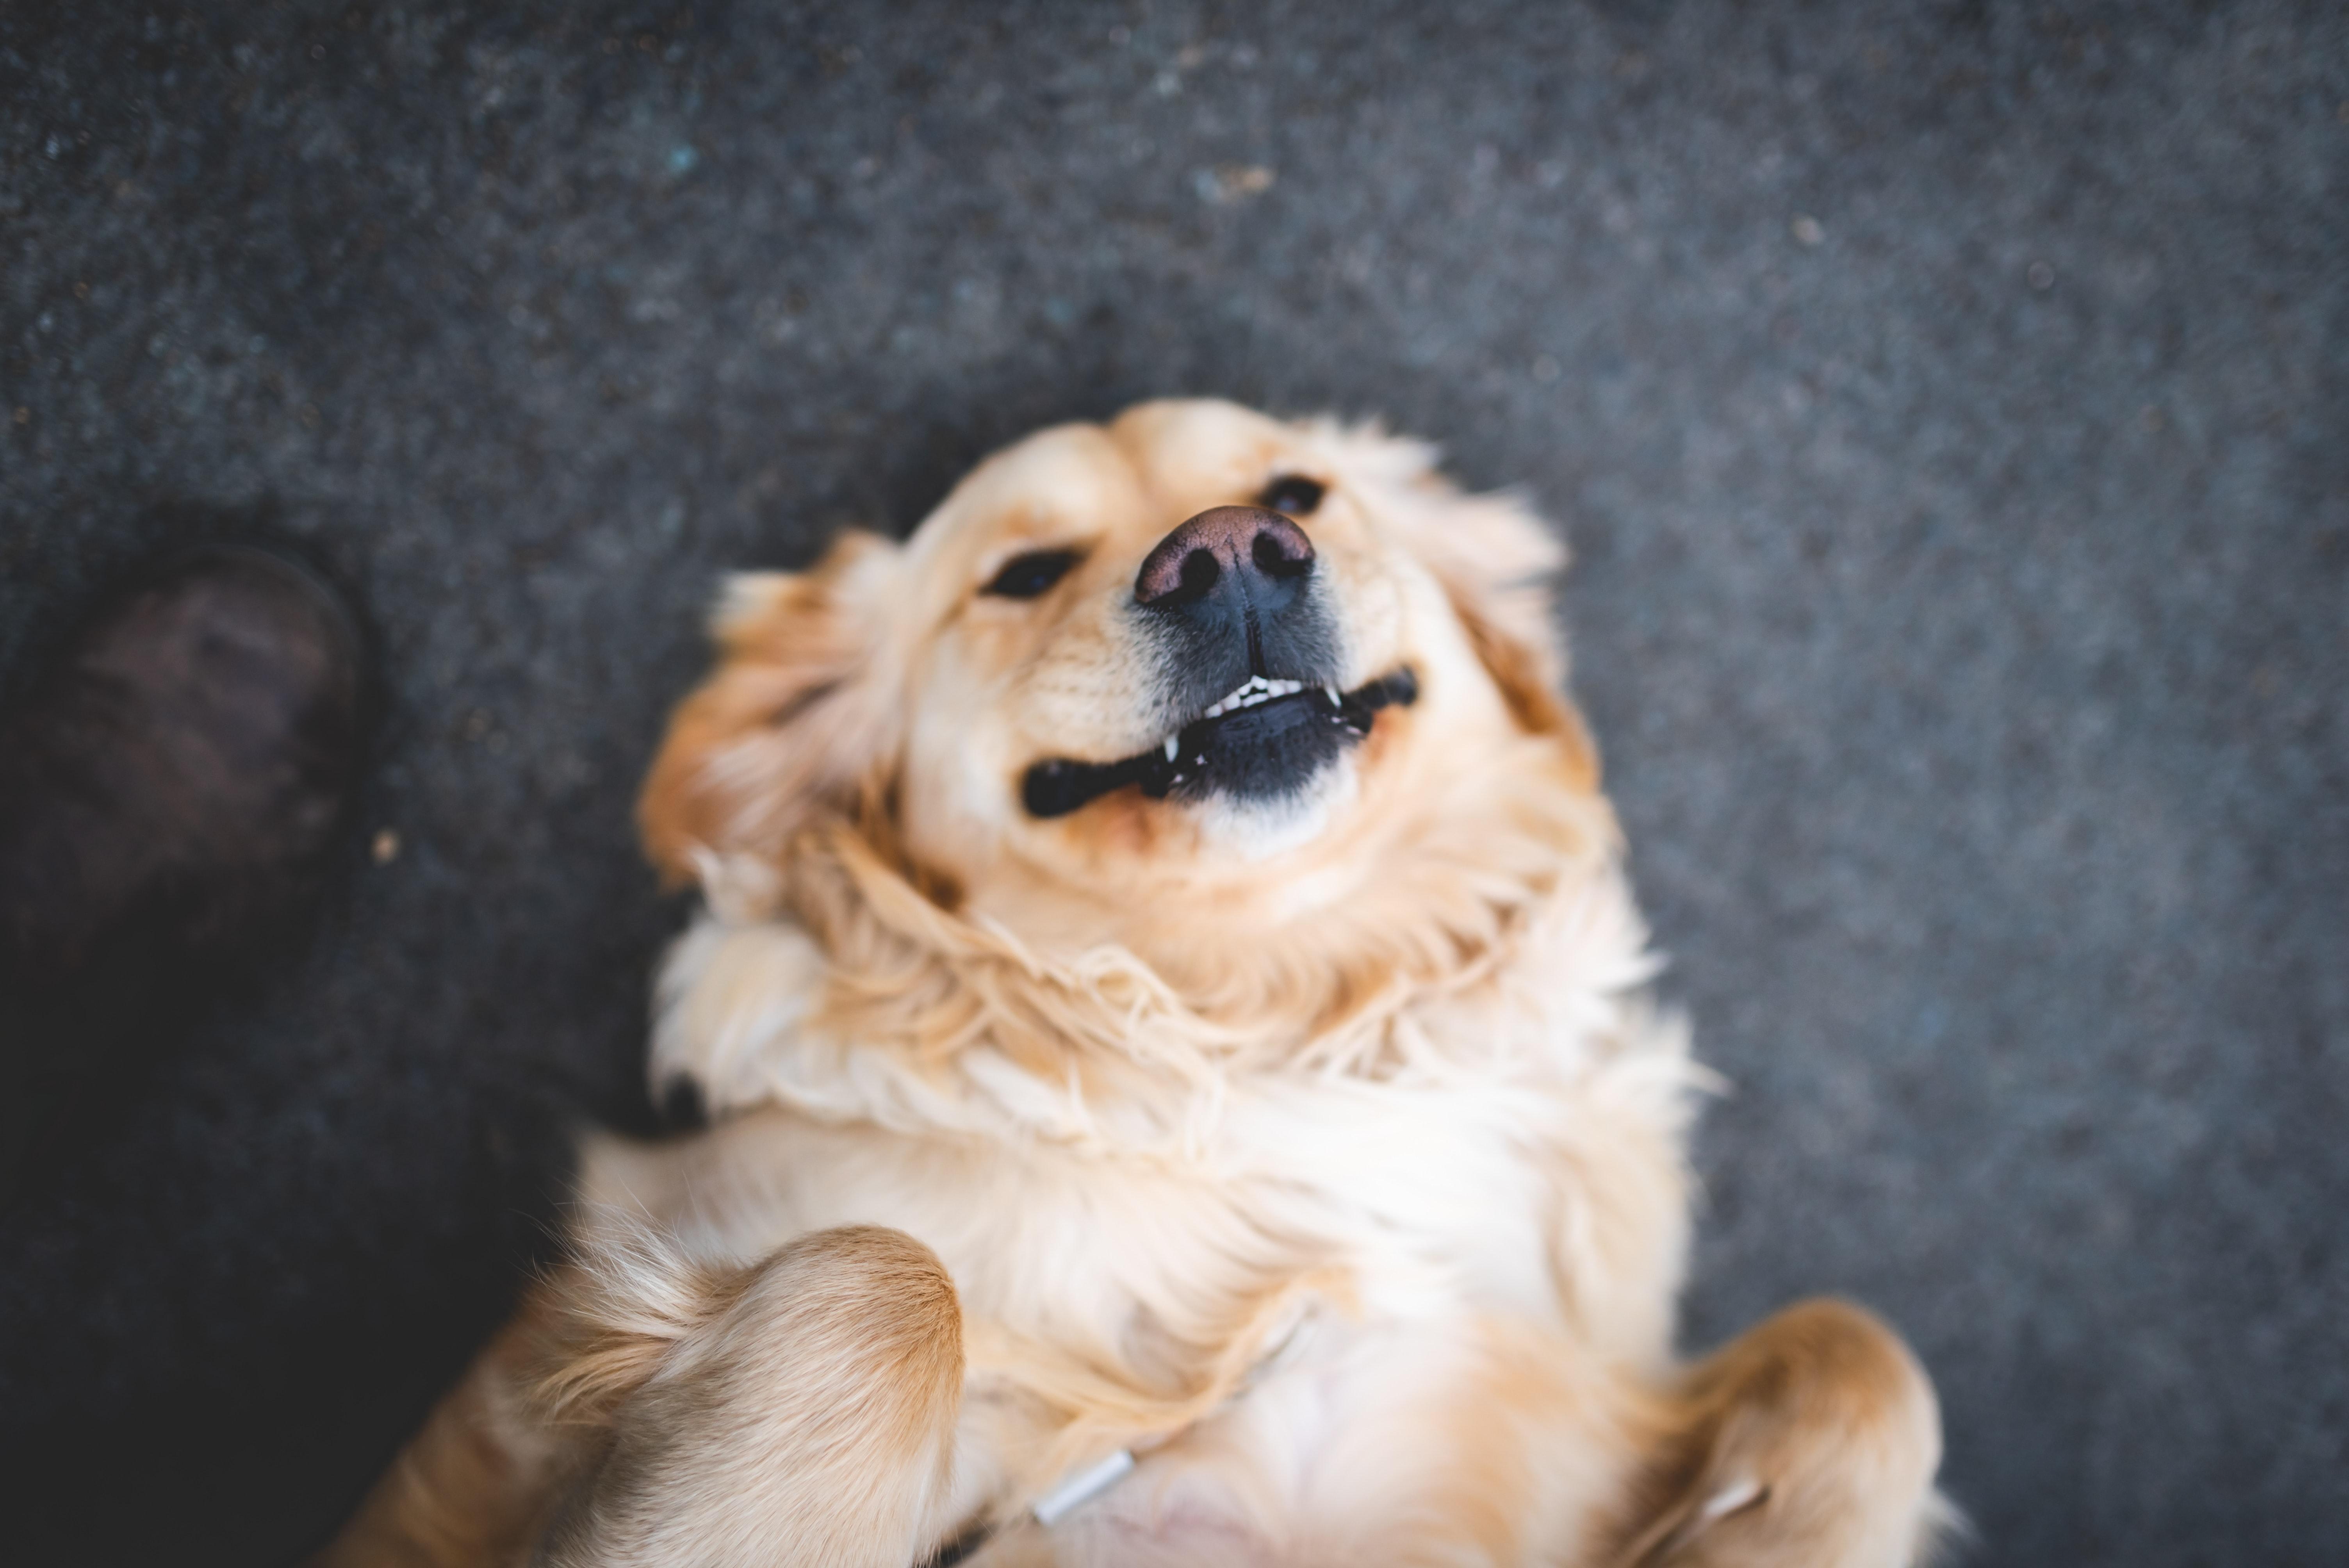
(1332, 693)
(1173, 744)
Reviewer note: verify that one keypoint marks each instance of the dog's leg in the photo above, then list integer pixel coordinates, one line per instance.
(472, 1488)
(798, 1411)
(1810, 1442)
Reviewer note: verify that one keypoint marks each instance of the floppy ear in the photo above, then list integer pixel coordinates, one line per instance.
(801, 708)
(1499, 566)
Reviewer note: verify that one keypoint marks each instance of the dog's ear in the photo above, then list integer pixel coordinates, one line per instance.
(1499, 565)
(801, 708)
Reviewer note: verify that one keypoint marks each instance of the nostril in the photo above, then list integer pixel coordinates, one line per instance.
(1199, 573)
(1274, 557)
(1188, 565)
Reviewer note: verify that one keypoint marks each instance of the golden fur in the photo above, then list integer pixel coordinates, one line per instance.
(1327, 1155)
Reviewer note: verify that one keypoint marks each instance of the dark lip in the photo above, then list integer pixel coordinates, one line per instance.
(1057, 786)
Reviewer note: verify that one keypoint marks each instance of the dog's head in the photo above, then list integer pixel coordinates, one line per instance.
(1196, 664)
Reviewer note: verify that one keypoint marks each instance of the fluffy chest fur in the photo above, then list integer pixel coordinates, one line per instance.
(1246, 1269)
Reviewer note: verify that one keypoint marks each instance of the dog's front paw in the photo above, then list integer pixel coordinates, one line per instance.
(725, 1031)
(1810, 1442)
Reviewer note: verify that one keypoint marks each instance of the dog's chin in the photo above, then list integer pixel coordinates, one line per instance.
(1257, 827)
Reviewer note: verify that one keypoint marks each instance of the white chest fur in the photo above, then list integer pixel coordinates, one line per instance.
(1512, 1168)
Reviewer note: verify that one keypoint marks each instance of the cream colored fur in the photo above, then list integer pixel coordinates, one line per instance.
(1332, 1164)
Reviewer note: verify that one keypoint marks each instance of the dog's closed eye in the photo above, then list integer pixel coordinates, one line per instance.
(1032, 572)
(1293, 494)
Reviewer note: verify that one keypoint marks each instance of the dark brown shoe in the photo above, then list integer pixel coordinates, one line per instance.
(170, 795)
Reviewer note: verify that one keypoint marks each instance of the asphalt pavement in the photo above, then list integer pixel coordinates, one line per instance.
(1948, 407)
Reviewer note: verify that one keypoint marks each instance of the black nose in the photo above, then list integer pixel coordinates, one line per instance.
(1246, 553)
(1230, 595)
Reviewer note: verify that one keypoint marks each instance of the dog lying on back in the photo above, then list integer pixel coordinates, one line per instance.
(1183, 1087)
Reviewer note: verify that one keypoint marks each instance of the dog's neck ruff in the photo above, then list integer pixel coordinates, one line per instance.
(830, 984)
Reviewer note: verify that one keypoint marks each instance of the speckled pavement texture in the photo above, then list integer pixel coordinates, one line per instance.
(1948, 410)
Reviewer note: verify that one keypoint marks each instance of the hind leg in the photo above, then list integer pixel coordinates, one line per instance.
(800, 1410)
(472, 1488)
(1810, 1442)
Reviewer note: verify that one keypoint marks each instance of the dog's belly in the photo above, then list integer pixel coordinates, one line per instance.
(1441, 1402)
(1473, 1442)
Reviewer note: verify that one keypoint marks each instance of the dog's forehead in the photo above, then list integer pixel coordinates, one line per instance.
(1198, 451)
(1148, 468)
(1065, 482)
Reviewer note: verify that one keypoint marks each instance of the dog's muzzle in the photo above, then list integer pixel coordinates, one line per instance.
(1248, 660)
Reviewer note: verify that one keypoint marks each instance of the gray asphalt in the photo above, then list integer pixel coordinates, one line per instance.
(1948, 410)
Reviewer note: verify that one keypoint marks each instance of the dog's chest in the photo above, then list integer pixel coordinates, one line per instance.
(1297, 1315)
(1408, 1204)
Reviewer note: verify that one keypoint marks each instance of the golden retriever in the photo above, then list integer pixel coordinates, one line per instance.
(1182, 1086)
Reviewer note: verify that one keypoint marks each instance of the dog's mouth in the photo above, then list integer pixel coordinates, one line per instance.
(1268, 738)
